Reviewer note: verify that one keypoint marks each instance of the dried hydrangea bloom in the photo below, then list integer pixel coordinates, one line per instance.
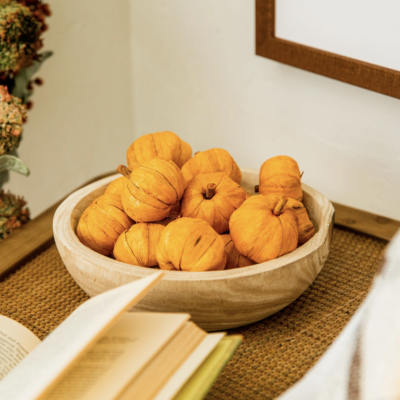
(39, 10)
(19, 36)
(13, 213)
(12, 116)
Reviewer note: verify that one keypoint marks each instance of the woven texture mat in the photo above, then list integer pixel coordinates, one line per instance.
(276, 352)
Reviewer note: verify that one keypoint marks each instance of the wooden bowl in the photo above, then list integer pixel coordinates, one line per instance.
(216, 300)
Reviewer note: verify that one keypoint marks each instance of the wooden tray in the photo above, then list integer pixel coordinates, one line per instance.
(276, 352)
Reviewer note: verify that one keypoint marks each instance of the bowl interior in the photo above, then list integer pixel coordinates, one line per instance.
(249, 180)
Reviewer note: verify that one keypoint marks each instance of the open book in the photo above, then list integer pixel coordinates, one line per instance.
(103, 352)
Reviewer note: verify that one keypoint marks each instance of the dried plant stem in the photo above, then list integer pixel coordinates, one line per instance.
(124, 171)
(210, 191)
(279, 207)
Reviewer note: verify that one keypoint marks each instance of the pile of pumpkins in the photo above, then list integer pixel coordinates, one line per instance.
(189, 213)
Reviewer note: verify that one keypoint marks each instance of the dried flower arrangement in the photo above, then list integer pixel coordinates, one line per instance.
(13, 213)
(13, 114)
(22, 23)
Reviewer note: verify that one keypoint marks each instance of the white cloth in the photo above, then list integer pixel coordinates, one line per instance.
(363, 363)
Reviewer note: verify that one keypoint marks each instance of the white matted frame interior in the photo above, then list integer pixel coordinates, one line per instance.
(366, 30)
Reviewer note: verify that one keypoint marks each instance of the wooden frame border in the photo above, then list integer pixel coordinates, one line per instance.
(368, 76)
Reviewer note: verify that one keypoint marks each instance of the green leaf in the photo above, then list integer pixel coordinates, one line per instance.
(23, 77)
(12, 163)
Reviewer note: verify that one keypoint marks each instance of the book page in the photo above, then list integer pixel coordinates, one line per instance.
(118, 357)
(163, 366)
(16, 342)
(189, 367)
(52, 358)
(201, 381)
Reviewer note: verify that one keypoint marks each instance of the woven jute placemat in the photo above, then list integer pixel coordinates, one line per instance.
(275, 353)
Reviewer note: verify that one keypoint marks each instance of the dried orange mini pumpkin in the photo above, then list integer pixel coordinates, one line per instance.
(212, 197)
(248, 194)
(234, 258)
(102, 222)
(138, 245)
(262, 229)
(172, 216)
(165, 145)
(306, 227)
(190, 244)
(116, 186)
(210, 161)
(153, 190)
(281, 175)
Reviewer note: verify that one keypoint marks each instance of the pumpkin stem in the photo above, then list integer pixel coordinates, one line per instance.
(126, 172)
(301, 175)
(279, 207)
(257, 188)
(210, 191)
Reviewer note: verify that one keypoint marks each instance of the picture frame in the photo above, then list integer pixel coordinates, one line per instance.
(355, 72)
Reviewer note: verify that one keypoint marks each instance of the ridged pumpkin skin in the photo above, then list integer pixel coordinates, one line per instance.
(281, 175)
(217, 210)
(306, 227)
(190, 244)
(260, 235)
(138, 245)
(165, 145)
(116, 186)
(211, 161)
(101, 224)
(234, 258)
(153, 189)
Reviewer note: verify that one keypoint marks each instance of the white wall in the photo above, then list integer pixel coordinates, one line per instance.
(81, 123)
(195, 72)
